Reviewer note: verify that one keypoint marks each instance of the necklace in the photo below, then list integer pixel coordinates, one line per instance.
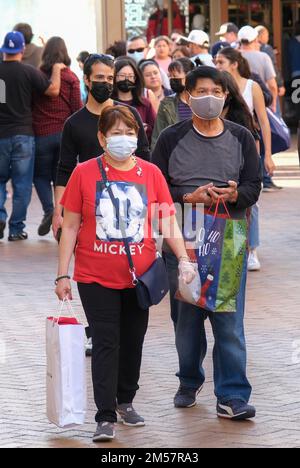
(139, 170)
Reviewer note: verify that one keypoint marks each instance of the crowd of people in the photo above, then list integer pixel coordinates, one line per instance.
(182, 122)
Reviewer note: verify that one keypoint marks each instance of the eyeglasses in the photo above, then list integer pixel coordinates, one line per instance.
(140, 50)
(122, 76)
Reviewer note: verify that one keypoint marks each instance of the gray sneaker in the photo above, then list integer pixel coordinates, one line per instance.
(105, 432)
(186, 397)
(129, 416)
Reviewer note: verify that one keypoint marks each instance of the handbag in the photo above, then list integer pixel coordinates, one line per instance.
(152, 286)
(281, 135)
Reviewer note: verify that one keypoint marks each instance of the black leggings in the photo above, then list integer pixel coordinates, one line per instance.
(118, 327)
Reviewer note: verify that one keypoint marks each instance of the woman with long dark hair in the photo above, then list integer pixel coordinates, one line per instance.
(233, 62)
(154, 81)
(236, 109)
(49, 116)
(129, 89)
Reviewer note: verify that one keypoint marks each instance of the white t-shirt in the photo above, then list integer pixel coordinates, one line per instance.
(248, 95)
(206, 59)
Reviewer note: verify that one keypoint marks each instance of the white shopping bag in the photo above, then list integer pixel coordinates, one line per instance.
(66, 373)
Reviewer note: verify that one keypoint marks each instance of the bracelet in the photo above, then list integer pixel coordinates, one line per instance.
(61, 278)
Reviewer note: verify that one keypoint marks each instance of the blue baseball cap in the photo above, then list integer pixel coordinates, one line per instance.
(14, 43)
(218, 46)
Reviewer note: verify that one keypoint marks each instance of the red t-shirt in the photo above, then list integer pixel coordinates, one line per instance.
(100, 254)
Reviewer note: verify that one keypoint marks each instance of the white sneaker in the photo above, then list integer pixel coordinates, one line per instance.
(253, 261)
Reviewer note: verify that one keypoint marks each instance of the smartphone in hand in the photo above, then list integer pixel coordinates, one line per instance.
(222, 186)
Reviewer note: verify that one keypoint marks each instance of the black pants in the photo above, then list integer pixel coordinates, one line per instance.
(118, 328)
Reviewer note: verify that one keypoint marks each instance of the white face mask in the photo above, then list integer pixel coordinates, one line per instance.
(137, 56)
(121, 147)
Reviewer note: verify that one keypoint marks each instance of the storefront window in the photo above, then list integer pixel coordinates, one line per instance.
(199, 15)
(243, 12)
(290, 16)
(151, 17)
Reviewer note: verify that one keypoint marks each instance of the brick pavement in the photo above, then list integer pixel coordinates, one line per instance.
(273, 333)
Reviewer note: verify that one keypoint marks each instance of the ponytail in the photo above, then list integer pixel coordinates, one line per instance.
(234, 56)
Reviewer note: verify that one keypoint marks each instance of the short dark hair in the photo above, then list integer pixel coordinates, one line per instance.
(26, 30)
(137, 38)
(83, 56)
(183, 64)
(117, 49)
(111, 115)
(55, 52)
(205, 72)
(93, 59)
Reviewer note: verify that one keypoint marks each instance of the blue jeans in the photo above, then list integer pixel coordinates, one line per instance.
(229, 355)
(254, 240)
(16, 163)
(46, 162)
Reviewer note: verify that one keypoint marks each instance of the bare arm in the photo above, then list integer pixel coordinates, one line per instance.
(272, 84)
(261, 112)
(57, 216)
(54, 88)
(71, 226)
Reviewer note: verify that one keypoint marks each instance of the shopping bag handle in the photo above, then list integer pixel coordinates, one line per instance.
(217, 208)
(67, 302)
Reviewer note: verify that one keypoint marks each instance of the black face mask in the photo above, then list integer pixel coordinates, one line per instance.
(125, 86)
(176, 85)
(101, 91)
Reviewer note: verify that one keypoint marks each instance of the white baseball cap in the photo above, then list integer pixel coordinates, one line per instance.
(196, 37)
(227, 28)
(247, 33)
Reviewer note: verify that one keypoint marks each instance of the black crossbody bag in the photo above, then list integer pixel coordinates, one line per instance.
(153, 286)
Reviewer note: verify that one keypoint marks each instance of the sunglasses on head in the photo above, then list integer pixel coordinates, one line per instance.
(100, 56)
(132, 51)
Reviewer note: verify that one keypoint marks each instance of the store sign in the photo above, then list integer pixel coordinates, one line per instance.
(135, 14)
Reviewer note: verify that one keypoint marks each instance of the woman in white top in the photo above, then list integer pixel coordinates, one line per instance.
(232, 61)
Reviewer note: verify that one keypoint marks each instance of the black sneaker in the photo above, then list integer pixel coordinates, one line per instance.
(186, 397)
(2, 228)
(45, 226)
(236, 410)
(18, 237)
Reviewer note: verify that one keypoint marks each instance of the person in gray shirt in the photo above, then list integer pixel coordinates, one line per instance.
(198, 157)
(260, 63)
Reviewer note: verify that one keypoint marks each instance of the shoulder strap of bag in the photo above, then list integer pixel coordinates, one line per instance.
(123, 230)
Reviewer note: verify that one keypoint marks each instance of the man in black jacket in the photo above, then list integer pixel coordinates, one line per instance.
(79, 140)
(198, 157)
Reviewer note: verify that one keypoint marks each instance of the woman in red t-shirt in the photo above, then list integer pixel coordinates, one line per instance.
(118, 325)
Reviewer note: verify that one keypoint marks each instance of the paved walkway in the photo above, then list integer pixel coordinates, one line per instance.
(273, 331)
